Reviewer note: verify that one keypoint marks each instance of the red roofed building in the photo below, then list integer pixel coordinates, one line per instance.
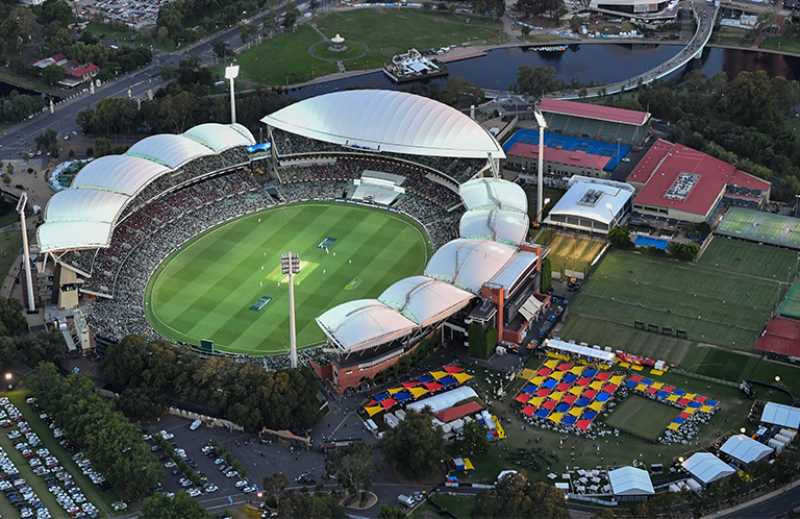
(558, 162)
(459, 411)
(781, 337)
(605, 123)
(679, 183)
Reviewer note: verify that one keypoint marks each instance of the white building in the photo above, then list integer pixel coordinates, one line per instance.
(592, 205)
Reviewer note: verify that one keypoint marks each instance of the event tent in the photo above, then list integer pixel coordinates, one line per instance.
(707, 468)
(782, 415)
(745, 449)
(444, 400)
(630, 481)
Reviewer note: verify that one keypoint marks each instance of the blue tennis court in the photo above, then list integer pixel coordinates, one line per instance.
(570, 143)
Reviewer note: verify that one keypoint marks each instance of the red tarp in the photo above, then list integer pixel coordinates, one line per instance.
(569, 398)
(583, 381)
(388, 403)
(528, 410)
(565, 366)
(522, 398)
(609, 388)
(543, 372)
(453, 369)
(410, 384)
(432, 386)
(651, 390)
(583, 424)
(542, 391)
(636, 378)
(549, 404)
(685, 416)
(563, 386)
(700, 398)
(668, 389)
(683, 402)
(603, 375)
(589, 393)
(459, 411)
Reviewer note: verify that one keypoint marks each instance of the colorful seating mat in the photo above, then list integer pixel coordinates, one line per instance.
(689, 403)
(428, 384)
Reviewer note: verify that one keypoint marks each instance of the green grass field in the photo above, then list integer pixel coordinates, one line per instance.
(372, 35)
(642, 417)
(712, 303)
(204, 291)
(751, 259)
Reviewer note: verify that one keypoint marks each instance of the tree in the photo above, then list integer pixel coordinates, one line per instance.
(515, 496)
(537, 81)
(182, 506)
(246, 31)
(292, 14)
(9, 169)
(354, 468)
(47, 142)
(416, 447)
(220, 49)
(473, 440)
(55, 11)
(683, 251)
(549, 8)
(274, 486)
(310, 506)
(547, 275)
(391, 512)
(525, 31)
(620, 237)
(52, 74)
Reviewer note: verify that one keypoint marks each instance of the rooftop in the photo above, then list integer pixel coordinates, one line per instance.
(597, 112)
(575, 158)
(678, 177)
(781, 336)
(598, 200)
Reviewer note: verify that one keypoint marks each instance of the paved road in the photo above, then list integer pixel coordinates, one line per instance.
(777, 504)
(19, 138)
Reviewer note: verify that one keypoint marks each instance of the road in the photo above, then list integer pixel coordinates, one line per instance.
(18, 139)
(777, 504)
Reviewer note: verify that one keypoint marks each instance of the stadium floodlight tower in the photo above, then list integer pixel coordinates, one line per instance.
(290, 265)
(540, 174)
(231, 73)
(26, 256)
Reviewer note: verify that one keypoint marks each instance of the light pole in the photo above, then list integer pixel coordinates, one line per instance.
(290, 265)
(540, 175)
(9, 377)
(231, 72)
(26, 256)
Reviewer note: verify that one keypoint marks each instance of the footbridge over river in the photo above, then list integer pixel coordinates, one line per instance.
(705, 14)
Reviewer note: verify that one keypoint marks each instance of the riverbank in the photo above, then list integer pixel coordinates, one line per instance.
(29, 84)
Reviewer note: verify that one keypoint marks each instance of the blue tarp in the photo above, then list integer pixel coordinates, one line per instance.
(448, 381)
(630, 384)
(381, 396)
(712, 403)
(602, 397)
(542, 412)
(588, 414)
(549, 383)
(582, 402)
(678, 419)
(661, 395)
(589, 372)
(562, 407)
(425, 378)
(569, 420)
(528, 388)
(569, 378)
(694, 404)
(402, 396)
(678, 391)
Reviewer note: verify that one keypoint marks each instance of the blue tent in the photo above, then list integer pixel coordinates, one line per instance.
(562, 407)
(550, 383)
(448, 381)
(529, 388)
(403, 396)
(569, 378)
(602, 397)
(425, 378)
(588, 414)
(661, 395)
(582, 402)
(569, 420)
(542, 412)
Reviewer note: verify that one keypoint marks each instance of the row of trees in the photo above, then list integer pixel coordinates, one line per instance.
(153, 375)
(15, 107)
(113, 444)
(17, 345)
(185, 20)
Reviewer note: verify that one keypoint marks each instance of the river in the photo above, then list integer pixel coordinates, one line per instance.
(597, 63)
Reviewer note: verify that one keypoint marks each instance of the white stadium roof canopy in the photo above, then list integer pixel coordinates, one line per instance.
(468, 264)
(493, 192)
(707, 468)
(425, 300)
(613, 196)
(495, 224)
(363, 323)
(630, 481)
(745, 449)
(83, 216)
(386, 120)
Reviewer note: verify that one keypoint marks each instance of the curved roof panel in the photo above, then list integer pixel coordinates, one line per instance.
(594, 199)
(73, 235)
(118, 173)
(363, 323)
(425, 300)
(220, 137)
(468, 264)
(483, 192)
(169, 150)
(386, 120)
(495, 224)
(84, 205)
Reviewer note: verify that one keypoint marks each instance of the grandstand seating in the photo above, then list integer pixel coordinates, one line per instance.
(566, 142)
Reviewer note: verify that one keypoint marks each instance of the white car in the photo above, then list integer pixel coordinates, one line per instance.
(166, 435)
(195, 425)
(194, 492)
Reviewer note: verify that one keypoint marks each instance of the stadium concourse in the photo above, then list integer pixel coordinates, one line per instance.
(125, 214)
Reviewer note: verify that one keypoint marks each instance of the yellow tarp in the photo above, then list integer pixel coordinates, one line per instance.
(527, 373)
(556, 395)
(690, 410)
(468, 464)
(537, 380)
(438, 374)
(604, 366)
(576, 411)
(673, 398)
(556, 417)
(656, 372)
(576, 390)
(462, 377)
(394, 390)
(557, 375)
(373, 410)
(674, 426)
(597, 385)
(690, 396)
(596, 406)
(576, 370)
(501, 432)
(641, 387)
(636, 367)
(657, 385)
(552, 363)
(707, 408)
(617, 379)
(417, 392)
(536, 401)
(623, 364)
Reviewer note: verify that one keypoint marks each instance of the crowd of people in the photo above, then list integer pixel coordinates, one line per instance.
(196, 200)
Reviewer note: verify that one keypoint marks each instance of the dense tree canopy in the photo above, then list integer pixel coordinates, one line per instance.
(516, 497)
(416, 447)
(310, 506)
(537, 81)
(112, 443)
(159, 506)
(152, 375)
